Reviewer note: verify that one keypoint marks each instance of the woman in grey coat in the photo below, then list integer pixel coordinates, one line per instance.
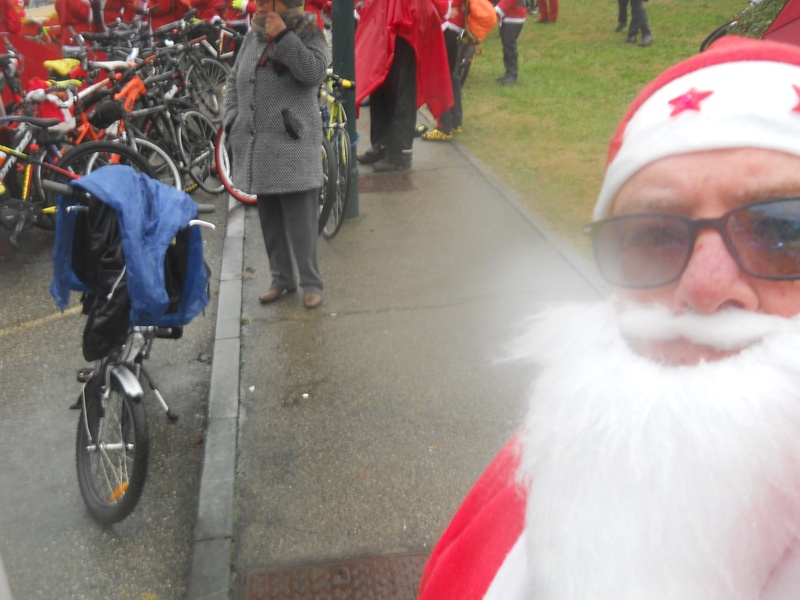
(273, 122)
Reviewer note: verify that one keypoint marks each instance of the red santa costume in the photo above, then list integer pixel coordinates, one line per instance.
(419, 23)
(632, 479)
(11, 14)
(75, 14)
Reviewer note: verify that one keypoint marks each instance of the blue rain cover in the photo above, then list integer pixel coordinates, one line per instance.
(149, 214)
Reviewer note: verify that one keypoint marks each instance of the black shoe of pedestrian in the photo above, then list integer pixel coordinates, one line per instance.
(647, 40)
(620, 27)
(371, 156)
(392, 164)
(631, 39)
(507, 80)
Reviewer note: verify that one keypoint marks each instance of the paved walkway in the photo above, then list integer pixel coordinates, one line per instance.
(355, 430)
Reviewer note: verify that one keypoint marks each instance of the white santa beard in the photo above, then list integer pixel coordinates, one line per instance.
(656, 482)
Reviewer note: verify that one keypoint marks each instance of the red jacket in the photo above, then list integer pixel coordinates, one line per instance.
(234, 16)
(207, 9)
(486, 526)
(125, 10)
(76, 14)
(165, 11)
(454, 19)
(316, 7)
(512, 11)
(419, 22)
(11, 13)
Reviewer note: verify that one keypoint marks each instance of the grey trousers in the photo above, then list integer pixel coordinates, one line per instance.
(290, 225)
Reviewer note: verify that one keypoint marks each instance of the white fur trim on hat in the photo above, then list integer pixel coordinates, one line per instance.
(738, 104)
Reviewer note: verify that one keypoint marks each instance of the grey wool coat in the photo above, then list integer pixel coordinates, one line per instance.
(272, 108)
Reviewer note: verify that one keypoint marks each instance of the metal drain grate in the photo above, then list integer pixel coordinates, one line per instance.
(384, 182)
(394, 577)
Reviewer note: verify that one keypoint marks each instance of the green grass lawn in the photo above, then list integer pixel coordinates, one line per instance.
(546, 136)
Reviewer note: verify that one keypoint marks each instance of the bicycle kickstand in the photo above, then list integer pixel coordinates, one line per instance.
(170, 415)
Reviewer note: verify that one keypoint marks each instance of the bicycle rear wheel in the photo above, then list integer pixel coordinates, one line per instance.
(196, 145)
(343, 150)
(327, 193)
(223, 161)
(207, 80)
(89, 156)
(164, 167)
(111, 452)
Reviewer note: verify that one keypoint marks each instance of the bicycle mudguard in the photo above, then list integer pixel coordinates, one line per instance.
(128, 382)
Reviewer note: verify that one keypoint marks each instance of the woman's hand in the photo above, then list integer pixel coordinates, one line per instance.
(275, 24)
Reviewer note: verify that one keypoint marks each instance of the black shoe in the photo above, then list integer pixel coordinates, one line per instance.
(371, 156)
(620, 27)
(647, 40)
(631, 39)
(507, 80)
(392, 164)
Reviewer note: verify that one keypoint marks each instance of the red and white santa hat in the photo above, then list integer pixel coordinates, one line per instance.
(741, 93)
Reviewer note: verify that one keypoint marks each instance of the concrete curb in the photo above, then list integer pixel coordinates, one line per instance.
(210, 571)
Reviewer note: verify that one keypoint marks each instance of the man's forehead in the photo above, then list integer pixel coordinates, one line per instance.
(724, 179)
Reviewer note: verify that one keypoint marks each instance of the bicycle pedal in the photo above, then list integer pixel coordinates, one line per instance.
(85, 375)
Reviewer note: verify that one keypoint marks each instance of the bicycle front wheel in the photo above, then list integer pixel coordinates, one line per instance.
(111, 453)
(342, 148)
(327, 193)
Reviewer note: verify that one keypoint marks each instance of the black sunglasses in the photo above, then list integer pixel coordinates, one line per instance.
(652, 249)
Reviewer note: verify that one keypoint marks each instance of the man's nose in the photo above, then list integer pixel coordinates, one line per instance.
(712, 280)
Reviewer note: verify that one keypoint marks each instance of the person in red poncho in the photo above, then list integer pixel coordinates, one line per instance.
(660, 455)
(401, 63)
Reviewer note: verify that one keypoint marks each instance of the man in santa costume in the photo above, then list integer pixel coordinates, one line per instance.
(660, 457)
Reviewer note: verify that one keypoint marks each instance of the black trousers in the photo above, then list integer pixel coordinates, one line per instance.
(453, 117)
(393, 105)
(509, 32)
(622, 16)
(639, 23)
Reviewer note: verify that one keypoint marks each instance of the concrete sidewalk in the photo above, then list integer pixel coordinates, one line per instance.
(355, 429)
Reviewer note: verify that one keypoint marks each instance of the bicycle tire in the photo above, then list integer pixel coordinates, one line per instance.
(111, 451)
(164, 167)
(718, 33)
(89, 156)
(327, 193)
(223, 161)
(195, 140)
(341, 145)
(207, 80)
(196, 145)
(45, 156)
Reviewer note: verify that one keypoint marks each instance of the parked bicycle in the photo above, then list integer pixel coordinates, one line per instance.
(129, 305)
(334, 125)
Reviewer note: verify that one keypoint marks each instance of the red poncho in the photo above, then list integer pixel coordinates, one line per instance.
(418, 22)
